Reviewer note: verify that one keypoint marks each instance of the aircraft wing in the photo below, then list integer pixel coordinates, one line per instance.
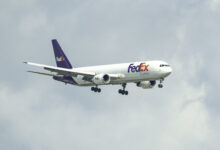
(67, 72)
(70, 72)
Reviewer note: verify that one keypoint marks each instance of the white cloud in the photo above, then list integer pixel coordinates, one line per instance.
(214, 4)
(32, 23)
(43, 120)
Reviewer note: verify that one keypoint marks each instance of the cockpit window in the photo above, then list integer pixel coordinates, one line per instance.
(164, 65)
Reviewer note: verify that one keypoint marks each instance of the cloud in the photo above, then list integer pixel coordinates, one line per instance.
(214, 5)
(32, 22)
(41, 120)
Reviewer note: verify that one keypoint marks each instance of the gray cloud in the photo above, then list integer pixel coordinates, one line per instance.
(39, 113)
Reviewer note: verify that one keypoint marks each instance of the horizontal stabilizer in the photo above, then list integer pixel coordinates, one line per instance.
(47, 74)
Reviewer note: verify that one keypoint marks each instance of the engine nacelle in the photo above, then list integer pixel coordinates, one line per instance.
(146, 84)
(101, 79)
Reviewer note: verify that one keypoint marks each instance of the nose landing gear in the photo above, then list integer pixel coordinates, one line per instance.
(160, 85)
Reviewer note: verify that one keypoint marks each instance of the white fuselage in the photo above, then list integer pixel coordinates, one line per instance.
(131, 72)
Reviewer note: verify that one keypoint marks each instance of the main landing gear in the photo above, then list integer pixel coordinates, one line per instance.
(160, 85)
(123, 91)
(96, 89)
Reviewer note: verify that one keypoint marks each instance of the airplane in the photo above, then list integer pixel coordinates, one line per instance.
(144, 74)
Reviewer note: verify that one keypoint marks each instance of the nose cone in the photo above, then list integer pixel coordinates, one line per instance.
(169, 71)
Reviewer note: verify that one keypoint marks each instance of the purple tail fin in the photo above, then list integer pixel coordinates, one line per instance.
(60, 57)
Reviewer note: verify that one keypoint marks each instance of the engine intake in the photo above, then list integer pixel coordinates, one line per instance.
(106, 78)
(101, 79)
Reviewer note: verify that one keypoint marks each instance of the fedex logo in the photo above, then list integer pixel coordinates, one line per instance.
(60, 59)
(139, 68)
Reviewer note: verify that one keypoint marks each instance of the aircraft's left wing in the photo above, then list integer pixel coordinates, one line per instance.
(71, 72)
(67, 72)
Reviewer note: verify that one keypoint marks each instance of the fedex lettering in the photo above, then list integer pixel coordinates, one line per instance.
(139, 68)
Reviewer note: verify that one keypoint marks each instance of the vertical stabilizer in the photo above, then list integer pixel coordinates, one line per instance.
(60, 57)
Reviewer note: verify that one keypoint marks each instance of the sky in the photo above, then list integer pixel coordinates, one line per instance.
(37, 112)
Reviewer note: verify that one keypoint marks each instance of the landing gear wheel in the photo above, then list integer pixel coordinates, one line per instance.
(96, 89)
(123, 91)
(126, 92)
(160, 85)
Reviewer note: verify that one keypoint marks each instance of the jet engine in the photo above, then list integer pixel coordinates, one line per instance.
(101, 79)
(146, 84)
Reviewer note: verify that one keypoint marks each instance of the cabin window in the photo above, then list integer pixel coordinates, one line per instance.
(164, 65)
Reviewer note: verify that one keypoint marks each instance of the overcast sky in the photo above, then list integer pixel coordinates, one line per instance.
(37, 112)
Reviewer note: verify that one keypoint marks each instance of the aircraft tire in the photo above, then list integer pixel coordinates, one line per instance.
(160, 85)
(126, 92)
(122, 92)
(119, 91)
